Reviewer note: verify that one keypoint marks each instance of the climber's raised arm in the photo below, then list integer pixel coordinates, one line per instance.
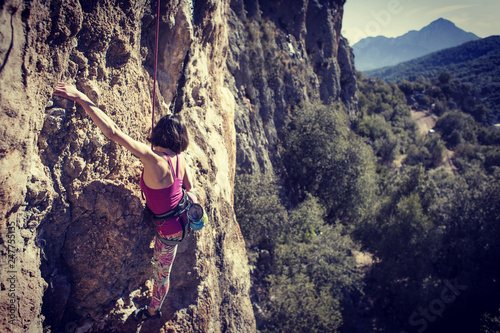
(105, 124)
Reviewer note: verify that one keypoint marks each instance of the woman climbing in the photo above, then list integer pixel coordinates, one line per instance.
(160, 182)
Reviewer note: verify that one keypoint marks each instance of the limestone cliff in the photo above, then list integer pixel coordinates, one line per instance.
(70, 204)
(75, 244)
(282, 53)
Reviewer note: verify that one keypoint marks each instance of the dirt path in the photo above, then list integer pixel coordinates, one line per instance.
(425, 120)
(449, 160)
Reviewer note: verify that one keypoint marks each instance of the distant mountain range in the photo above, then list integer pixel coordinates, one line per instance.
(377, 52)
(476, 63)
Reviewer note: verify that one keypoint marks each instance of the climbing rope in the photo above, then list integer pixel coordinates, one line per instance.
(155, 67)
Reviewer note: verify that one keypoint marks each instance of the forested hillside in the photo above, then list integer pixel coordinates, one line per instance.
(372, 225)
(476, 63)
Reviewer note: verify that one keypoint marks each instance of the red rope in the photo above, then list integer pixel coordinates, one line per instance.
(155, 69)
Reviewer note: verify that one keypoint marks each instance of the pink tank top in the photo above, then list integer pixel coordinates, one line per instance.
(162, 200)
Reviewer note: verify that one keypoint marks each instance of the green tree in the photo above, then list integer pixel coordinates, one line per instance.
(296, 306)
(457, 127)
(259, 210)
(444, 77)
(324, 158)
(428, 151)
(473, 222)
(312, 272)
(406, 241)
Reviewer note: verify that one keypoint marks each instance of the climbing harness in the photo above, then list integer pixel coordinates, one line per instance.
(195, 214)
(155, 66)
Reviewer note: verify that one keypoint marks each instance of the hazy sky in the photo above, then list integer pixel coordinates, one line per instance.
(392, 18)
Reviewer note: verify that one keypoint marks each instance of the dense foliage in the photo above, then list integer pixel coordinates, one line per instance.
(302, 266)
(425, 205)
(324, 158)
(434, 211)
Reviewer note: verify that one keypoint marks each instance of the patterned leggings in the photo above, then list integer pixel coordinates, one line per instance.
(163, 259)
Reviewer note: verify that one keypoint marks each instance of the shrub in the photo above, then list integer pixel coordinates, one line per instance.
(457, 127)
(444, 77)
(429, 152)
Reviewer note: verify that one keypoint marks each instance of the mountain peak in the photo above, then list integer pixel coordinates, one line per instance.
(439, 34)
(441, 21)
(441, 24)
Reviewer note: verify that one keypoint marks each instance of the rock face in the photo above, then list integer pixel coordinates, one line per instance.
(280, 54)
(74, 239)
(74, 223)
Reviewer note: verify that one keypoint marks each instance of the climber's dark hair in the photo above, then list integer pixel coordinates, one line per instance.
(171, 133)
